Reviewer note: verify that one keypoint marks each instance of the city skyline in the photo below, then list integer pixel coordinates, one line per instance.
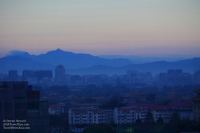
(156, 28)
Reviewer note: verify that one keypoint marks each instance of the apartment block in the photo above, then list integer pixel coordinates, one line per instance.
(128, 115)
(90, 116)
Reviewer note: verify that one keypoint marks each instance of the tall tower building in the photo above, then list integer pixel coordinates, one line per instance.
(60, 74)
(13, 75)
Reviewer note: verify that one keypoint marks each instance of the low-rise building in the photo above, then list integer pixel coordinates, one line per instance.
(139, 110)
(56, 110)
(196, 107)
(85, 105)
(128, 115)
(89, 116)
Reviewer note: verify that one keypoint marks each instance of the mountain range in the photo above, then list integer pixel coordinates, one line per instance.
(144, 59)
(81, 64)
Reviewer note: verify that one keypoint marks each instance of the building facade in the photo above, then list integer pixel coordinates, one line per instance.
(128, 115)
(196, 107)
(18, 102)
(13, 75)
(90, 116)
(60, 74)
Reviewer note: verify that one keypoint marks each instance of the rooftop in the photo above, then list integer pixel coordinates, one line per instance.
(55, 107)
(173, 105)
(198, 91)
(196, 99)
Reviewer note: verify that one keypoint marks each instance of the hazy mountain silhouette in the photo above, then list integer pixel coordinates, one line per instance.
(88, 64)
(21, 63)
(144, 59)
(20, 60)
(71, 60)
(189, 65)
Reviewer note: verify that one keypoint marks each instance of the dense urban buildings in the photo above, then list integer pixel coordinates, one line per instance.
(37, 76)
(98, 99)
(45, 77)
(176, 77)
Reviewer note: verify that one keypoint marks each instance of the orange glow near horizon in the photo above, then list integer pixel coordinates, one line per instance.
(101, 27)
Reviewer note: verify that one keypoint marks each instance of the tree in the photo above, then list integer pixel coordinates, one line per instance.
(149, 117)
(99, 129)
(160, 120)
(175, 118)
(138, 124)
(58, 120)
(138, 121)
(188, 126)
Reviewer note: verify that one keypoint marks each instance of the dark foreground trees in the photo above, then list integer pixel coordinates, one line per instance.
(99, 129)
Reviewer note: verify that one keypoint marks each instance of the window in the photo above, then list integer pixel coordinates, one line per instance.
(33, 105)
(7, 106)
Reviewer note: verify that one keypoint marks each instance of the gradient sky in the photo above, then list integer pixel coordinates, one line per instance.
(101, 27)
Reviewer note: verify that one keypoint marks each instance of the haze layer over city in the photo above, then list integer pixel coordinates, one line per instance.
(99, 66)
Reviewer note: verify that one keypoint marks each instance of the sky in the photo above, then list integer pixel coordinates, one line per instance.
(101, 27)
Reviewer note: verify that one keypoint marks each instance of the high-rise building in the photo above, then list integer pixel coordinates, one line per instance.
(170, 71)
(178, 71)
(13, 75)
(176, 77)
(60, 74)
(19, 104)
(40, 74)
(27, 74)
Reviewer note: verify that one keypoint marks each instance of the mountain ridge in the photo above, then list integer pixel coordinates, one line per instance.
(153, 67)
(58, 56)
(88, 64)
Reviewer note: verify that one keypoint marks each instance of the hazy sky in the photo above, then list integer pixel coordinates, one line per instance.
(99, 27)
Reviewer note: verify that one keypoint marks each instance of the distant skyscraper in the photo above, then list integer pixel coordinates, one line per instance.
(26, 74)
(13, 75)
(40, 74)
(170, 71)
(178, 71)
(60, 74)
